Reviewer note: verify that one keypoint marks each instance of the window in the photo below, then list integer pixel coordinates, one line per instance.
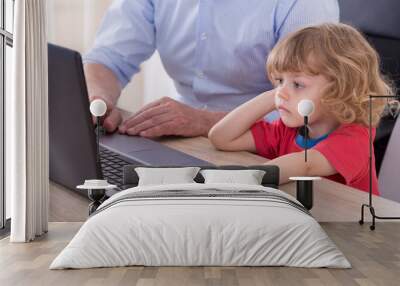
(6, 43)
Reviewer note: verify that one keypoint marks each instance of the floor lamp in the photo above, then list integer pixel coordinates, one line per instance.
(369, 205)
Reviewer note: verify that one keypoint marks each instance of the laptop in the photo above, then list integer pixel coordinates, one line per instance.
(72, 138)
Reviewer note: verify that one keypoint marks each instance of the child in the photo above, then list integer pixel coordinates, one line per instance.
(336, 68)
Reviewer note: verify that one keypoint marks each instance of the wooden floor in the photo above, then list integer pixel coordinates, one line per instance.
(374, 255)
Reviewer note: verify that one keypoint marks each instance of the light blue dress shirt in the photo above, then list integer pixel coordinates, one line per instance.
(214, 50)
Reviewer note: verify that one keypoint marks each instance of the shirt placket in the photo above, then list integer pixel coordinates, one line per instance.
(202, 34)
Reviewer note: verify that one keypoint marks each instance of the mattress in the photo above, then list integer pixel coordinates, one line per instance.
(201, 225)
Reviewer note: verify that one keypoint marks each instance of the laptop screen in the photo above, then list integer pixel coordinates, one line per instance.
(72, 144)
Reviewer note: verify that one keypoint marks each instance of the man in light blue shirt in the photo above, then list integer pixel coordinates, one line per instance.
(214, 50)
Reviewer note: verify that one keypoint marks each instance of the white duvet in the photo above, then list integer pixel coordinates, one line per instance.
(183, 231)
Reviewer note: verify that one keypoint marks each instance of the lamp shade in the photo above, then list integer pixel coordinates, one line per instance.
(98, 107)
(305, 107)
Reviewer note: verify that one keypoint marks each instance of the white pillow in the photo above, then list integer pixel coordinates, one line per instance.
(248, 177)
(162, 176)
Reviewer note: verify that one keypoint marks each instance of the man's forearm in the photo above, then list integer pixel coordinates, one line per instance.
(101, 82)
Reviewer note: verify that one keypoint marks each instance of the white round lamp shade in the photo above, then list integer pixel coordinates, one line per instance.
(98, 107)
(305, 107)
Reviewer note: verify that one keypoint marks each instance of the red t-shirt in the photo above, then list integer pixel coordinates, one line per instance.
(346, 148)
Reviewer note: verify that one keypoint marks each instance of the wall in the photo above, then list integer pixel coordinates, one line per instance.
(73, 24)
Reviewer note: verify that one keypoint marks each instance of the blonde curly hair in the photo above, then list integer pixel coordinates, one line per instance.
(344, 57)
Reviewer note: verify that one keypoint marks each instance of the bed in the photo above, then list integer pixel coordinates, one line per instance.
(201, 224)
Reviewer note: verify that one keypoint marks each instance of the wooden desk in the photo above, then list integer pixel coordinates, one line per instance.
(333, 202)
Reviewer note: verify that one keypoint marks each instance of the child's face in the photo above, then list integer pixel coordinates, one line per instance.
(293, 87)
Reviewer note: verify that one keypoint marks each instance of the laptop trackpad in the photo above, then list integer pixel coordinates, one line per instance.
(126, 144)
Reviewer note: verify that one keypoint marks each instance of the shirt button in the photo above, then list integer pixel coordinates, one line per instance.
(200, 74)
(203, 36)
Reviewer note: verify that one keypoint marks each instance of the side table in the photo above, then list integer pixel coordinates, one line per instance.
(304, 190)
(96, 192)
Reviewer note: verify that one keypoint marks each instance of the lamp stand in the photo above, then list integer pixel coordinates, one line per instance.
(98, 139)
(99, 130)
(369, 205)
(305, 136)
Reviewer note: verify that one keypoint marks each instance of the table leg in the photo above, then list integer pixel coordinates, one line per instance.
(96, 196)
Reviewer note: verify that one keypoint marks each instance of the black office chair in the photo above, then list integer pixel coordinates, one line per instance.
(380, 22)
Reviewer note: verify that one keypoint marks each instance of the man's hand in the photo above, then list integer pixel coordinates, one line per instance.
(112, 119)
(167, 116)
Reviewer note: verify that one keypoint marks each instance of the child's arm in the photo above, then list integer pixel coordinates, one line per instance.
(293, 165)
(232, 133)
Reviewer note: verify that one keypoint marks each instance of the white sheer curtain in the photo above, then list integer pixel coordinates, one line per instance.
(27, 124)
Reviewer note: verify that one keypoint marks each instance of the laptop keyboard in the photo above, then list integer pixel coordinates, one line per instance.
(111, 166)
